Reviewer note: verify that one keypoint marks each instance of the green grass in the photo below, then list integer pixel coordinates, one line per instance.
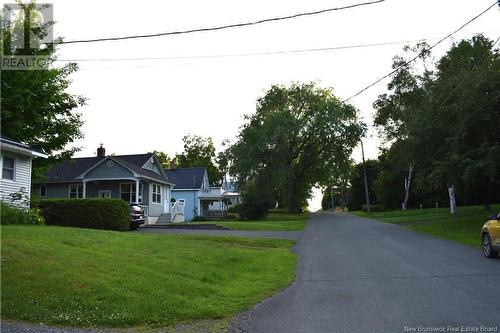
(272, 222)
(92, 278)
(465, 227)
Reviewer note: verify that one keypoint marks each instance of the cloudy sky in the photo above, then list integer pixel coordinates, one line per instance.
(204, 83)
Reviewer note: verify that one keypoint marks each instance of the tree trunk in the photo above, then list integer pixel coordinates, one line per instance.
(453, 202)
(407, 187)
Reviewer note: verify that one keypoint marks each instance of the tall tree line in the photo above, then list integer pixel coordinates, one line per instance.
(440, 122)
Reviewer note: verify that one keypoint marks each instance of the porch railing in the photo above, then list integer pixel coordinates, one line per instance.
(177, 209)
(145, 209)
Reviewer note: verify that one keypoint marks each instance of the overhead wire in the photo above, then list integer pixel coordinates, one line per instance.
(406, 63)
(222, 27)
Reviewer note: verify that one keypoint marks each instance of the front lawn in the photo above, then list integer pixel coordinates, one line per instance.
(465, 227)
(272, 222)
(88, 278)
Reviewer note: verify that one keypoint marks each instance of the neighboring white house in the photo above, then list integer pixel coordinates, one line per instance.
(15, 162)
(227, 193)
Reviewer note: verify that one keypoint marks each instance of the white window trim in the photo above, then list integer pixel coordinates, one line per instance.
(14, 171)
(69, 190)
(157, 193)
(132, 184)
(103, 191)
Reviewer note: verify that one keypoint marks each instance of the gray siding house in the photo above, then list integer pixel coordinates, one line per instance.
(15, 162)
(138, 179)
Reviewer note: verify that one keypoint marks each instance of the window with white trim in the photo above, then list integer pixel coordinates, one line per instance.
(8, 168)
(75, 191)
(156, 193)
(127, 192)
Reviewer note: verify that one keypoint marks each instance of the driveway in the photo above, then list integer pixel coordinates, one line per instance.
(293, 235)
(361, 275)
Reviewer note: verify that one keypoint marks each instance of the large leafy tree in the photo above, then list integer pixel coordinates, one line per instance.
(35, 105)
(297, 139)
(200, 152)
(445, 120)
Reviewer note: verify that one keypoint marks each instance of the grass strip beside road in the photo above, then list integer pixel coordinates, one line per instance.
(93, 278)
(272, 222)
(464, 227)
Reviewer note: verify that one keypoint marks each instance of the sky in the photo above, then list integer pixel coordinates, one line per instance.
(145, 105)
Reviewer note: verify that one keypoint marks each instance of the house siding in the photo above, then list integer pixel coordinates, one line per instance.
(93, 188)
(191, 198)
(151, 166)
(22, 177)
(145, 192)
(55, 190)
(156, 209)
(104, 171)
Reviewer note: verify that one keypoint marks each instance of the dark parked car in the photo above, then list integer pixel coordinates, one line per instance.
(137, 216)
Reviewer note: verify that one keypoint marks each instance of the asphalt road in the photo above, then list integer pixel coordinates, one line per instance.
(361, 275)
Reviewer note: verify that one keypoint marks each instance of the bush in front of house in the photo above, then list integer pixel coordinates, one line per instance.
(109, 214)
(13, 215)
(234, 208)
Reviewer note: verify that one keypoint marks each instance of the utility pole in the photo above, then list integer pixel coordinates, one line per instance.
(366, 181)
(331, 195)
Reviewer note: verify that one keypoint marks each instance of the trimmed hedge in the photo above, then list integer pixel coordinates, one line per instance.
(109, 214)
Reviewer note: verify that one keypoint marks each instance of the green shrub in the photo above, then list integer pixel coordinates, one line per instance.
(199, 219)
(12, 215)
(110, 214)
(234, 209)
(256, 203)
(374, 208)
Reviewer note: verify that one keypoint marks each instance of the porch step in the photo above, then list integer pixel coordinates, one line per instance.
(164, 218)
(195, 226)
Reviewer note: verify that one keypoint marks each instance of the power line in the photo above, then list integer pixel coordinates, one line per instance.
(322, 49)
(230, 55)
(420, 53)
(222, 27)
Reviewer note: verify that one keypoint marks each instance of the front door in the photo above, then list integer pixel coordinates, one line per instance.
(104, 194)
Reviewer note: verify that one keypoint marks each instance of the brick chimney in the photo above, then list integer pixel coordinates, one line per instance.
(172, 164)
(101, 152)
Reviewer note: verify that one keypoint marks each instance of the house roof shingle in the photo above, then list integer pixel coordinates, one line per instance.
(70, 169)
(186, 178)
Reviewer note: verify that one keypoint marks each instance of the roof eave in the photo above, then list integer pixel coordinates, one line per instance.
(21, 150)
